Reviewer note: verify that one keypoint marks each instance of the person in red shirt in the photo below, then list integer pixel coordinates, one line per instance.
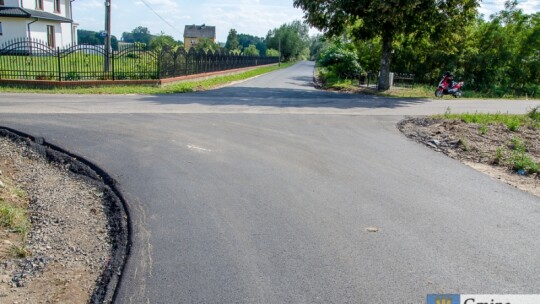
(447, 81)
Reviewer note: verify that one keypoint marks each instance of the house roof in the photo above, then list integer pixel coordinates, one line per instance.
(200, 31)
(17, 12)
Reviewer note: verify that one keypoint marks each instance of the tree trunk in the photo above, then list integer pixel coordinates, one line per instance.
(384, 79)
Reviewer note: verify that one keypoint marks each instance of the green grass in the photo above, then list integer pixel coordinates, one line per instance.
(500, 155)
(516, 157)
(520, 160)
(14, 218)
(513, 122)
(180, 87)
(483, 129)
(74, 65)
(18, 192)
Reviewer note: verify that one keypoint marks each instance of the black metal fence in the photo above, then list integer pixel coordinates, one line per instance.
(34, 60)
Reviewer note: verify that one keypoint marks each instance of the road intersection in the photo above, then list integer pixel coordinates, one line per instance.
(262, 192)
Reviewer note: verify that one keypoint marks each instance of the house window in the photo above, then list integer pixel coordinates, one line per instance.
(39, 4)
(1, 2)
(1, 32)
(57, 6)
(50, 36)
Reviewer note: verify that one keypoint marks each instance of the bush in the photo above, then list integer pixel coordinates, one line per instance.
(272, 53)
(72, 76)
(342, 62)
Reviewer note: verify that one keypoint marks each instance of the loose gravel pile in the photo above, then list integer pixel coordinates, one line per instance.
(69, 241)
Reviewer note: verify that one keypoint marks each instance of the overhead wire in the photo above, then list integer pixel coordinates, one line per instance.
(163, 19)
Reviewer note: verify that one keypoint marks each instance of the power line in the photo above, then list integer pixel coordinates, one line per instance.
(148, 5)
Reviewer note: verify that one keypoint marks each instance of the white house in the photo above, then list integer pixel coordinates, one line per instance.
(50, 21)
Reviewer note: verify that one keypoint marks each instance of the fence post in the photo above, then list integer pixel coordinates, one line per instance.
(59, 64)
(158, 62)
(112, 64)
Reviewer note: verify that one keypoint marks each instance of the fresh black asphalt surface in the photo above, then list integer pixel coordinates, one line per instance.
(262, 192)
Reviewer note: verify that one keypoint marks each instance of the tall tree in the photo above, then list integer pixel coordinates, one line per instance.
(206, 45)
(246, 40)
(232, 41)
(291, 38)
(251, 50)
(157, 43)
(139, 34)
(388, 19)
(94, 38)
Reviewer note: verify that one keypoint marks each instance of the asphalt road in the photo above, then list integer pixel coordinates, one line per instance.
(262, 193)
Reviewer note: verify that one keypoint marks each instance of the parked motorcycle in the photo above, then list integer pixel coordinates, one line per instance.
(454, 89)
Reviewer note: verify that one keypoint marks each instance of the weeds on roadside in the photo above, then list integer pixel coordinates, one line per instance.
(499, 156)
(19, 251)
(534, 114)
(511, 121)
(483, 129)
(518, 145)
(513, 124)
(18, 192)
(14, 218)
(520, 159)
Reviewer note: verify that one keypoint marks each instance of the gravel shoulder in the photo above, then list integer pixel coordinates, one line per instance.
(71, 250)
(488, 149)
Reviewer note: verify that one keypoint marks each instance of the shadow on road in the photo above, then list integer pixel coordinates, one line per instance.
(283, 97)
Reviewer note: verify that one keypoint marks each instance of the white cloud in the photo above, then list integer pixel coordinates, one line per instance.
(530, 6)
(89, 4)
(488, 8)
(251, 17)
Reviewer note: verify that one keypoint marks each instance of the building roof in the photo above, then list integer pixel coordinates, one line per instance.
(17, 12)
(200, 31)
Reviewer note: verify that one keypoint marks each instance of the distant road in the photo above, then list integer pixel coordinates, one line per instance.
(262, 192)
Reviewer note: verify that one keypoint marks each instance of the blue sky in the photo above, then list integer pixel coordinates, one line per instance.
(253, 17)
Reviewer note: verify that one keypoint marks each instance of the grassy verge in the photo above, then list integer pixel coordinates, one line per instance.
(331, 82)
(180, 87)
(14, 219)
(512, 121)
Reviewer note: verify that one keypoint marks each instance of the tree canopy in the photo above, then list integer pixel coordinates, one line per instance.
(497, 57)
(368, 19)
(206, 45)
(158, 42)
(232, 41)
(292, 39)
(251, 50)
(94, 38)
(246, 40)
(139, 34)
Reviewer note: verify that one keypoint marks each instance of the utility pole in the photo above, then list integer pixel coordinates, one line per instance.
(279, 50)
(108, 33)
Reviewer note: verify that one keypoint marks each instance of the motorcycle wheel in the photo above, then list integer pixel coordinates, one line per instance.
(439, 93)
(457, 94)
